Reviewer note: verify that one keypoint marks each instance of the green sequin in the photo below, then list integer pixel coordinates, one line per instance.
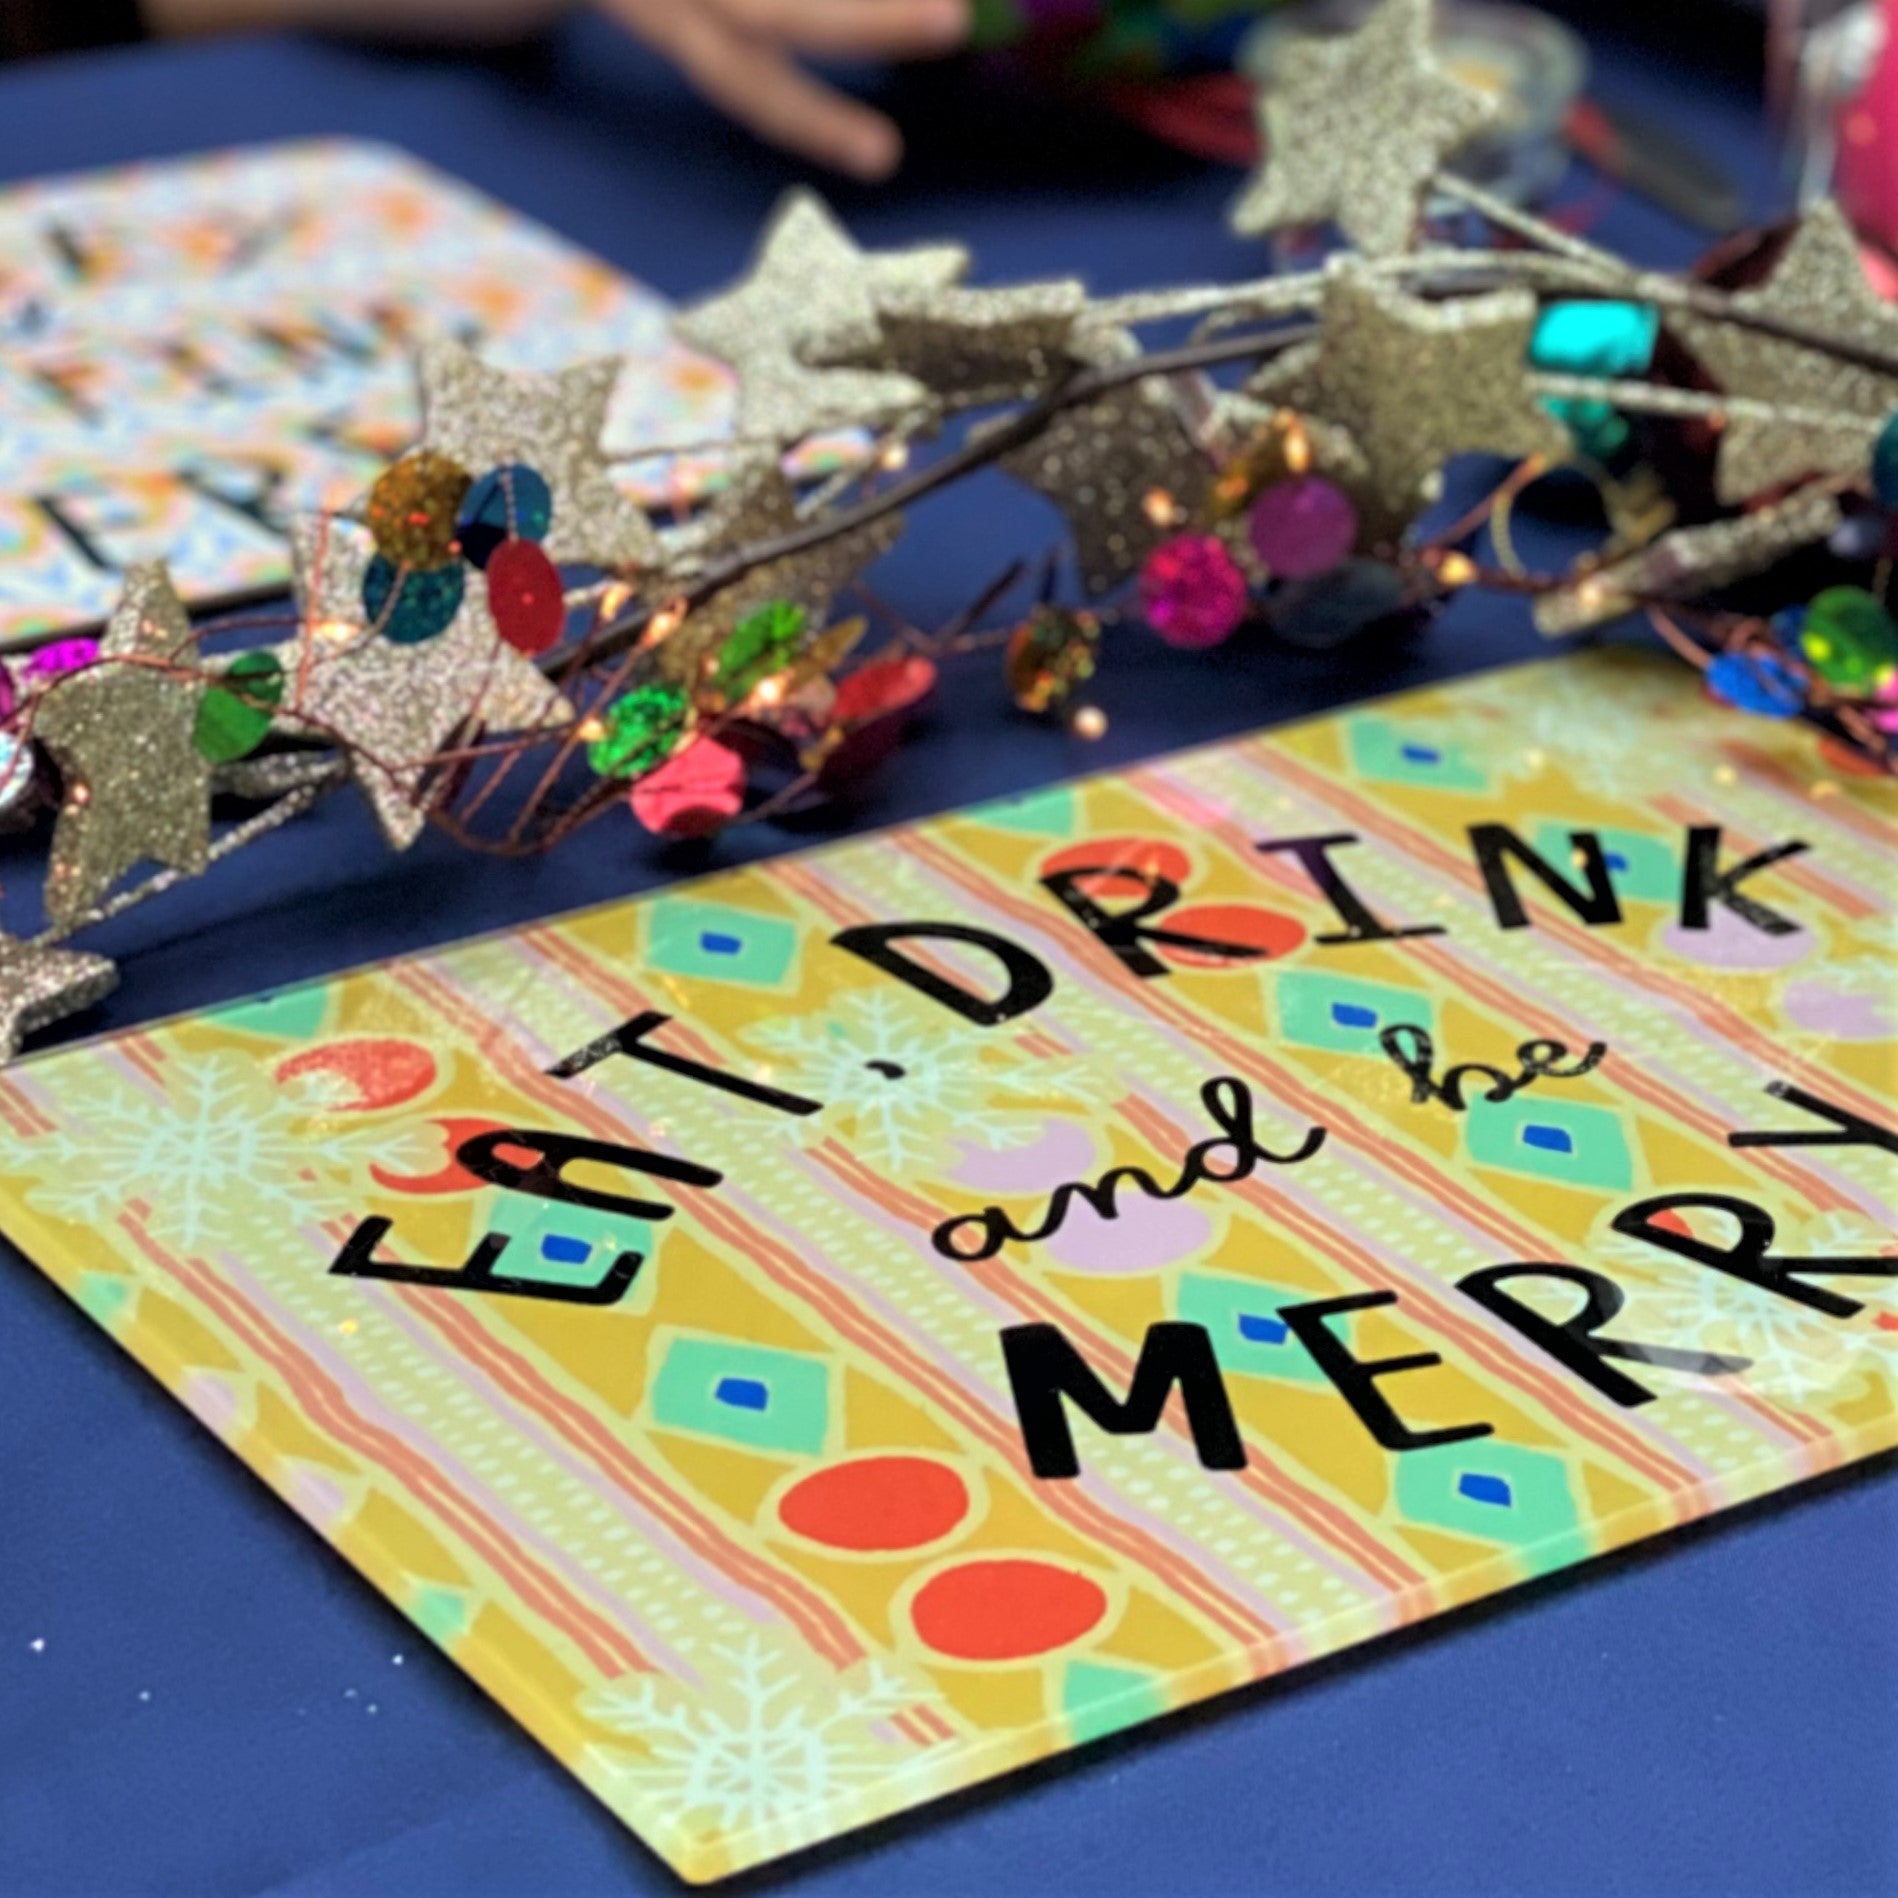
(234, 718)
(1849, 639)
(761, 643)
(643, 729)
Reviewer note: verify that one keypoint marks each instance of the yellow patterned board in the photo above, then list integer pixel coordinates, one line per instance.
(832, 1333)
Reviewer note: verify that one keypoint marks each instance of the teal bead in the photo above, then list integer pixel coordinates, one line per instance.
(410, 605)
(1885, 463)
(1849, 639)
(234, 718)
(1594, 339)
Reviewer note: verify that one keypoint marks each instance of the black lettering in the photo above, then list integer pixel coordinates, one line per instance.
(629, 1039)
(1044, 1369)
(1750, 1258)
(1575, 1342)
(357, 1260)
(1356, 1378)
(1029, 982)
(1848, 1129)
(86, 536)
(1595, 903)
(1361, 922)
(1126, 932)
(1703, 882)
(1228, 1104)
(549, 1156)
(249, 485)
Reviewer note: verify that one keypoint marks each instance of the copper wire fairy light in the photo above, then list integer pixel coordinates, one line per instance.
(1366, 373)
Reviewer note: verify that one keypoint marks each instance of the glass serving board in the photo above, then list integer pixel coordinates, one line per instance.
(193, 351)
(834, 1332)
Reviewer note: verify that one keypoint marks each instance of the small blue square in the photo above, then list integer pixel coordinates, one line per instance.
(716, 943)
(1614, 859)
(1353, 1015)
(1420, 754)
(560, 1248)
(742, 1393)
(1258, 1330)
(1479, 1488)
(1549, 1139)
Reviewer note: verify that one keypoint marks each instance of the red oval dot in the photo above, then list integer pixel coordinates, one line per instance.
(524, 596)
(876, 1503)
(1006, 1609)
(374, 1072)
(1264, 932)
(1121, 866)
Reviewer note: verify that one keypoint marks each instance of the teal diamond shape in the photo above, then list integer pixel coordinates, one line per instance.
(716, 943)
(1249, 1338)
(745, 1393)
(1048, 813)
(1398, 754)
(1551, 1139)
(1498, 1492)
(1318, 1009)
(549, 1243)
(1645, 870)
(1099, 1699)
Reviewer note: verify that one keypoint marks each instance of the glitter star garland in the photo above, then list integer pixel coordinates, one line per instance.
(733, 665)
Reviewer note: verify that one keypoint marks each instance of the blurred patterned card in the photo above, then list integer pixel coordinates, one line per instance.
(826, 1335)
(192, 351)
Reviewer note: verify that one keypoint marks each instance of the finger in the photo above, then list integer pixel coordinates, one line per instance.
(764, 92)
(853, 29)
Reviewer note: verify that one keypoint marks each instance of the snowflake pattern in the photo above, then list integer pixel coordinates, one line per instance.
(1558, 724)
(222, 1149)
(906, 1089)
(1798, 1356)
(771, 1737)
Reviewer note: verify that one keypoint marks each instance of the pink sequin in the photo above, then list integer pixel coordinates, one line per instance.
(1302, 527)
(695, 792)
(1192, 591)
(61, 657)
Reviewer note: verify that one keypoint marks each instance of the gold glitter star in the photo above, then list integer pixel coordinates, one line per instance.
(1354, 127)
(1121, 468)
(40, 985)
(1818, 282)
(488, 418)
(761, 505)
(398, 704)
(1413, 383)
(137, 787)
(980, 346)
(810, 285)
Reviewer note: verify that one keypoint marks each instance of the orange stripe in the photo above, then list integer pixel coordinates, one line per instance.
(846, 1317)
(1836, 810)
(822, 1628)
(1313, 1513)
(1724, 1021)
(1546, 1391)
(606, 1647)
(1784, 1167)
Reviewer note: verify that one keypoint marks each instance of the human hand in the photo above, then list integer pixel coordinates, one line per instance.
(742, 55)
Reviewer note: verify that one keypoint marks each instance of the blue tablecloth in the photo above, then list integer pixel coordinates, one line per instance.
(197, 1696)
